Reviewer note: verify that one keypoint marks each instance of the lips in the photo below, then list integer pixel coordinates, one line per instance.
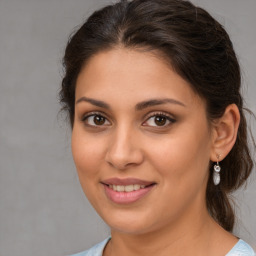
(127, 181)
(127, 188)
(125, 191)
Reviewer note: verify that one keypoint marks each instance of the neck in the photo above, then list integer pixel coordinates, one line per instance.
(180, 238)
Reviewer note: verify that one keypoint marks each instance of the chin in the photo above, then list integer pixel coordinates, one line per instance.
(129, 223)
(127, 228)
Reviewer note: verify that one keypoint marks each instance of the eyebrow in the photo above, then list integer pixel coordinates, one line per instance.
(94, 102)
(155, 102)
(140, 106)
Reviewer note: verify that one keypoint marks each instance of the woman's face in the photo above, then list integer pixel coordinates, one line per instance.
(141, 142)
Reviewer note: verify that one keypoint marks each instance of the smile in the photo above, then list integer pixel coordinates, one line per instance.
(128, 188)
(126, 191)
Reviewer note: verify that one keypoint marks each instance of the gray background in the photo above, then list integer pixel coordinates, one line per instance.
(43, 210)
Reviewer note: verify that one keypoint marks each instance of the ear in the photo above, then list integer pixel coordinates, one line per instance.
(225, 133)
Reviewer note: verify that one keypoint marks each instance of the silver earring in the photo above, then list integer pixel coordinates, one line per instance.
(216, 173)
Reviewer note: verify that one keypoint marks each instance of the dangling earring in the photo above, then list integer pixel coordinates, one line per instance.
(216, 173)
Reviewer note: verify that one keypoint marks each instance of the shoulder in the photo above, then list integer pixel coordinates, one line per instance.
(96, 250)
(241, 249)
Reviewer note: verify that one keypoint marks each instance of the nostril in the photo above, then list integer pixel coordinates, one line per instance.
(120, 165)
(124, 161)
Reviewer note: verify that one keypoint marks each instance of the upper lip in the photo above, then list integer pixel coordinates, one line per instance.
(127, 181)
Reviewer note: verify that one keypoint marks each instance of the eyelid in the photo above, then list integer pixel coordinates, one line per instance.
(160, 113)
(168, 116)
(94, 113)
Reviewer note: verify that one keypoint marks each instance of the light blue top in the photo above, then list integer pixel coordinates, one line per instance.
(240, 249)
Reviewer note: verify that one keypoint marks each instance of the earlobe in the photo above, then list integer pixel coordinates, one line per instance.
(225, 132)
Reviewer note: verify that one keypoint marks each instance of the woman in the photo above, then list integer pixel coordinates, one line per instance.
(159, 138)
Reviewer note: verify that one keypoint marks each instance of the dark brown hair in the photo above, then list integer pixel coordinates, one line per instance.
(198, 49)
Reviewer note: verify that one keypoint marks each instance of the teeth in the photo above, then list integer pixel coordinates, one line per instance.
(128, 188)
(136, 187)
(120, 188)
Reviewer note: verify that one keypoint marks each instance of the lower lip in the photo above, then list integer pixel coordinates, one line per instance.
(126, 197)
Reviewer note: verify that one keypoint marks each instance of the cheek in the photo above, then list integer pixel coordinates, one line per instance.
(87, 153)
(183, 157)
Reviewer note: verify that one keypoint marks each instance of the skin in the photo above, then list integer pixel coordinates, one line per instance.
(172, 219)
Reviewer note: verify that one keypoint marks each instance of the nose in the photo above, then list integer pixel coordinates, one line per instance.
(124, 150)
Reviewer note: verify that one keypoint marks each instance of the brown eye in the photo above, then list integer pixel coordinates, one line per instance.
(160, 120)
(99, 120)
(96, 120)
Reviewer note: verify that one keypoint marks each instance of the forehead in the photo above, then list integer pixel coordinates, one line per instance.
(131, 75)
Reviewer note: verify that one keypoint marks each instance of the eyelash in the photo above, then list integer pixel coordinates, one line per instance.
(93, 114)
(160, 114)
(156, 114)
